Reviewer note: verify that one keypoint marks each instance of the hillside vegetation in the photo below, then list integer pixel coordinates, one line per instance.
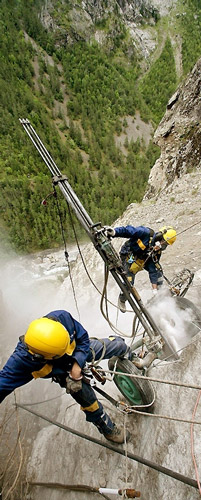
(77, 97)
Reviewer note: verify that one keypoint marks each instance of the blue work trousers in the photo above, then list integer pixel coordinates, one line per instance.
(155, 275)
(86, 397)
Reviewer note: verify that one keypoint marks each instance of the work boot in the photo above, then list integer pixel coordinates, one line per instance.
(117, 435)
(121, 305)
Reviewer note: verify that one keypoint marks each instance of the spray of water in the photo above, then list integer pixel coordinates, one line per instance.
(174, 322)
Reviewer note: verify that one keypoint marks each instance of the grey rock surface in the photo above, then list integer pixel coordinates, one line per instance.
(179, 136)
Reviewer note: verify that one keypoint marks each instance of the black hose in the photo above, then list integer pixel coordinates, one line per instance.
(132, 456)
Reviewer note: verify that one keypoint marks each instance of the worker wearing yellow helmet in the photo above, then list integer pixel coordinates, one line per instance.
(142, 250)
(168, 234)
(48, 338)
(57, 346)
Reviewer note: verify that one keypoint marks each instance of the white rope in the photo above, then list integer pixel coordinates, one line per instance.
(170, 382)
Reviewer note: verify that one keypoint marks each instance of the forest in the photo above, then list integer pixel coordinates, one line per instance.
(78, 98)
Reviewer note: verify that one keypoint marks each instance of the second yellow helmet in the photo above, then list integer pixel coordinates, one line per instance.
(169, 234)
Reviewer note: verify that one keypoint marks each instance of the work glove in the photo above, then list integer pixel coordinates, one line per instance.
(73, 385)
(157, 246)
(109, 231)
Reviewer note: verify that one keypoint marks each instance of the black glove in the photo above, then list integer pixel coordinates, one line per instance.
(109, 231)
(73, 385)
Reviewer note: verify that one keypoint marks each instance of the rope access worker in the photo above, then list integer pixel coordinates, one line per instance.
(142, 251)
(57, 346)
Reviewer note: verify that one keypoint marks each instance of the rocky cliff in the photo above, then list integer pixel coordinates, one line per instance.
(179, 136)
(103, 21)
(162, 441)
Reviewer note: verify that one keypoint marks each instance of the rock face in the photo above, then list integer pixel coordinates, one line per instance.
(179, 136)
(164, 7)
(163, 441)
(82, 22)
(130, 11)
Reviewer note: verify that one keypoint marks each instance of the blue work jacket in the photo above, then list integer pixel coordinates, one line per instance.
(22, 366)
(139, 239)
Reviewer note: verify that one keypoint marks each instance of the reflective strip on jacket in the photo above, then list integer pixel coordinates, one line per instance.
(139, 239)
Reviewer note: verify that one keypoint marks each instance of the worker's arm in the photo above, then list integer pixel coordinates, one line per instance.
(17, 371)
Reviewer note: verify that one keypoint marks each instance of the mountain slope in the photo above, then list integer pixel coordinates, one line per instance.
(166, 442)
(81, 98)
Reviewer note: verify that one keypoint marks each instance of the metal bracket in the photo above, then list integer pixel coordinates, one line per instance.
(58, 178)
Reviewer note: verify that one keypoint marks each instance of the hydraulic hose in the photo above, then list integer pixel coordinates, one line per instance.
(132, 456)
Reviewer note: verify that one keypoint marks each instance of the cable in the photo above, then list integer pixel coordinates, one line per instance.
(168, 382)
(44, 401)
(94, 285)
(12, 487)
(184, 230)
(65, 249)
(72, 487)
(132, 456)
(192, 442)
(105, 315)
(165, 417)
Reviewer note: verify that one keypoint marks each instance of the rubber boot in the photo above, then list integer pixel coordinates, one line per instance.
(118, 435)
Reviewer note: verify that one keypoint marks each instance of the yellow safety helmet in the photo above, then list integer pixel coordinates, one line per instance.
(47, 337)
(169, 234)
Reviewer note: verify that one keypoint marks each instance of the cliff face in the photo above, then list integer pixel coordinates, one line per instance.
(179, 136)
(103, 20)
(163, 441)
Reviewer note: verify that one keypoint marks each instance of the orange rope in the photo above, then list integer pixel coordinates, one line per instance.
(192, 443)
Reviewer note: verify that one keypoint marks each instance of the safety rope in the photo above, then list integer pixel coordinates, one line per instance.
(20, 463)
(189, 227)
(65, 248)
(192, 443)
(128, 409)
(165, 417)
(122, 334)
(132, 409)
(168, 382)
(44, 401)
